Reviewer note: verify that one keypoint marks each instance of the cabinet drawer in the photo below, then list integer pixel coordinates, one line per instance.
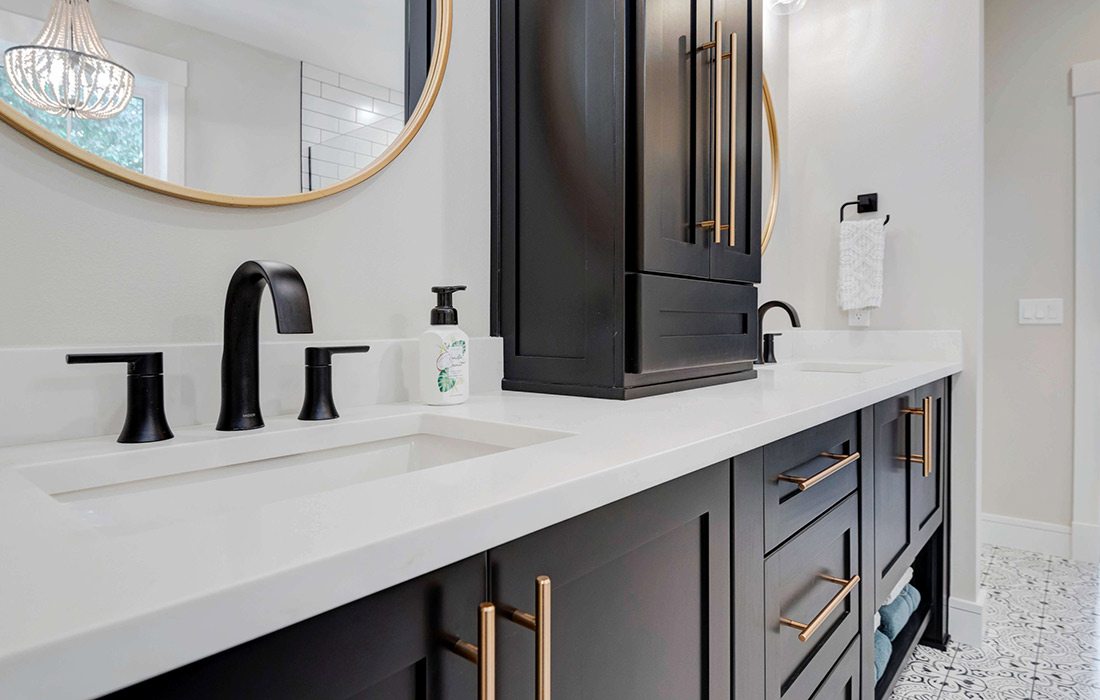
(806, 474)
(843, 682)
(683, 323)
(797, 592)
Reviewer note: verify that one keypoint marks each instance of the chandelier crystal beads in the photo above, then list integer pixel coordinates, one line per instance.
(68, 70)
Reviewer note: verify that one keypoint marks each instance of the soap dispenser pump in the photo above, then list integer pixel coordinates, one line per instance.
(444, 365)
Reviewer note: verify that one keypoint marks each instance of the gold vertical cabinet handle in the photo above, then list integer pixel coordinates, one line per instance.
(716, 222)
(807, 630)
(808, 482)
(484, 653)
(927, 458)
(539, 623)
(718, 131)
(732, 241)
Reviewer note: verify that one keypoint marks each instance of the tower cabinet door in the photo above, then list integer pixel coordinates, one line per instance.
(674, 128)
(388, 646)
(694, 163)
(640, 597)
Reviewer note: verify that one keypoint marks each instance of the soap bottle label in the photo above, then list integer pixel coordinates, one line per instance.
(451, 365)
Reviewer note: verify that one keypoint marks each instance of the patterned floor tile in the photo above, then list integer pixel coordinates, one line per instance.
(1042, 639)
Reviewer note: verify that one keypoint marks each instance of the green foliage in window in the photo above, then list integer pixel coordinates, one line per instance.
(120, 139)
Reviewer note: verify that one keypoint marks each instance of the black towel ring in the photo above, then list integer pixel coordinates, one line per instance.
(864, 204)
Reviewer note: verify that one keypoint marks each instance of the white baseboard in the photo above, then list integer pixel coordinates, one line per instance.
(967, 620)
(1031, 535)
(1085, 541)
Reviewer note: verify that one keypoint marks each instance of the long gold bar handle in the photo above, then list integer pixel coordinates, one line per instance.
(539, 623)
(808, 482)
(926, 459)
(808, 630)
(716, 222)
(718, 131)
(732, 241)
(484, 653)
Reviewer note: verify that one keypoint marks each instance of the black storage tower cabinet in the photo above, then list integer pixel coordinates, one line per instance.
(623, 131)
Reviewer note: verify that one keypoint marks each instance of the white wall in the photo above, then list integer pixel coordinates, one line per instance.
(1030, 48)
(88, 260)
(886, 96)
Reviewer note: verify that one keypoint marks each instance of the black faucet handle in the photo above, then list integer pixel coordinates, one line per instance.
(322, 357)
(768, 355)
(318, 403)
(145, 419)
(143, 364)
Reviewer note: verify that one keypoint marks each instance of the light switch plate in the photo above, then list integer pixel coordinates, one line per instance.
(1042, 312)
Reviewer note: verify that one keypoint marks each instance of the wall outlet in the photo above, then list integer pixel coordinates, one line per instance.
(859, 318)
(1041, 312)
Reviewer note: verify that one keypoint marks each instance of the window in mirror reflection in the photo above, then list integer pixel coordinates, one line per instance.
(227, 103)
(120, 139)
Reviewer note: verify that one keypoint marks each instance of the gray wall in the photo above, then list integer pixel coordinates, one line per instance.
(1030, 250)
(91, 261)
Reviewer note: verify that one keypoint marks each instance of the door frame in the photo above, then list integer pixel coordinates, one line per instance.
(1085, 531)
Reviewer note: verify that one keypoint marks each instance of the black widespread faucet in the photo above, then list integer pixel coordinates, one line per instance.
(765, 344)
(241, 346)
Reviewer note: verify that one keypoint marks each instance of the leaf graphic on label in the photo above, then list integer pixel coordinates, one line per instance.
(445, 382)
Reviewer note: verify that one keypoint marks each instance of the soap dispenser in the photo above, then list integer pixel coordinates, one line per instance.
(444, 365)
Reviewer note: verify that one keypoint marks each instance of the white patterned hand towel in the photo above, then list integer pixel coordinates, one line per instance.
(862, 253)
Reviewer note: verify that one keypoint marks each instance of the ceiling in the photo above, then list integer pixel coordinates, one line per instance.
(363, 38)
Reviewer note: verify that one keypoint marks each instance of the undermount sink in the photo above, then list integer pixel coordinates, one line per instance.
(836, 367)
(140, 489)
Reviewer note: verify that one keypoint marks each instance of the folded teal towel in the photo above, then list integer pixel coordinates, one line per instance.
(897, 613)
(883, 650)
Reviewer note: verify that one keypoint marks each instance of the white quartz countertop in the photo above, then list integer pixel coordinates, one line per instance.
(85, 610)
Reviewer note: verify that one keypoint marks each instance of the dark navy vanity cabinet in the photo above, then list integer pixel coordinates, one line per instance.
(627, 193)
(757, 577)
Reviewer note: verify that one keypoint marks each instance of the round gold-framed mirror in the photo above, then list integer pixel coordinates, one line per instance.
(773, 140)
(345, 126)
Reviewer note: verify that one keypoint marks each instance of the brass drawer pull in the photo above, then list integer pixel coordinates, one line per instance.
(808, 482)
(539, 623)
(807, 631)
(484, 653)
(925, 459)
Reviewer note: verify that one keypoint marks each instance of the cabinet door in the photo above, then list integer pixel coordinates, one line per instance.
(927, 479)
(388, 646)
(893, 483)
(737, 256)
(674, 126)
(843, 682)
(640, 597)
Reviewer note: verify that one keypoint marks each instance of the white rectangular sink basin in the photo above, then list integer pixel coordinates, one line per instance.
(837, 367)
(142, 487)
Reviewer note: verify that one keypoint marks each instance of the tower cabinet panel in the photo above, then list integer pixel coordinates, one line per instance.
(627, 145)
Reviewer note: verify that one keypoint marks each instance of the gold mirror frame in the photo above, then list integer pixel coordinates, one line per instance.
(773, 134)
(412, 127)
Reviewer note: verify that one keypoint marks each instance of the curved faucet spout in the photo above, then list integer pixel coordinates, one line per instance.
(240, 409)
(796, 322)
